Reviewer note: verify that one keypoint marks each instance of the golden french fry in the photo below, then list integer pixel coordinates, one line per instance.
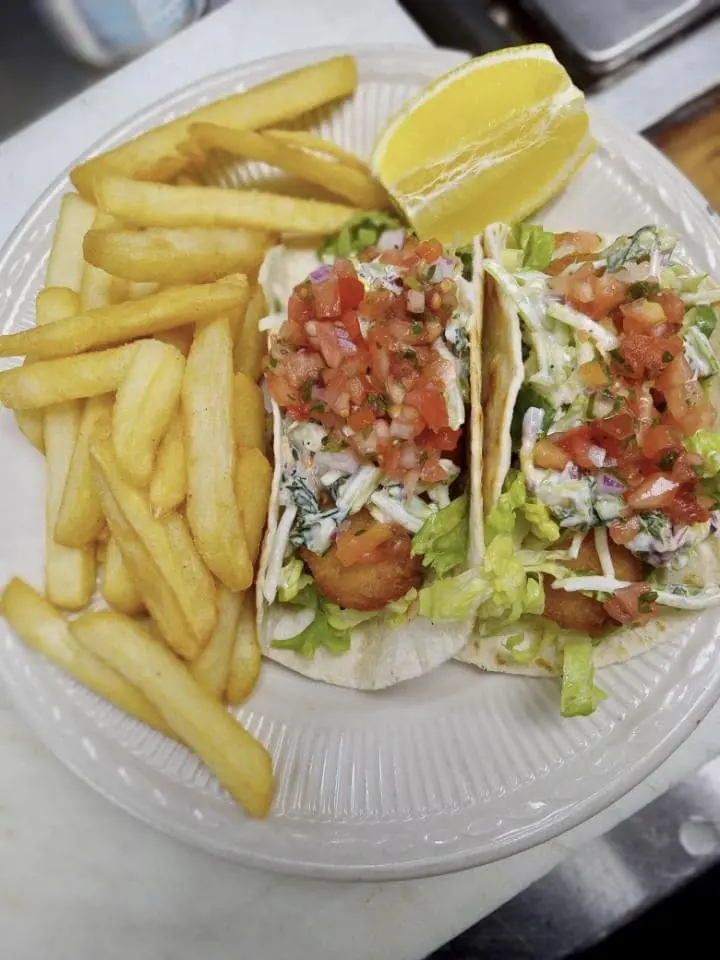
(212, 511)
(162, 311)
(146, 401)
(138, 291)
(253, 481)
(161, 205)
(357, 186)
(246, 658)
(68, 378)
(181, 338)
(42, 627)
(190, 255)
(318, 144)
(168, 485)
(117, 586)
(248, 413)
(98, 288)
(56, 303)
(251, 342)
(154, 155)
(32, 425)
(80, 519)
(69, 572)
(176, 588)
(65, 264)
(212, 667)
(185, 180)
(241, 763)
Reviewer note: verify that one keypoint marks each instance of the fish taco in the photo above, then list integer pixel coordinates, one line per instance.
(601, 479)
(373, 376)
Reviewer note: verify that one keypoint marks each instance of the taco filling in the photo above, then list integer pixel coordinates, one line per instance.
(608, 482)
(370, 372)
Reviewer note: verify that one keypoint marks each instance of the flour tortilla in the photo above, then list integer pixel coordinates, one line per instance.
(380, 656)
(502, 378)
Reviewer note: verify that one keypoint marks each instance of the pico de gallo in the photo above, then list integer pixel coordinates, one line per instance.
(369, 367)
(614, 423)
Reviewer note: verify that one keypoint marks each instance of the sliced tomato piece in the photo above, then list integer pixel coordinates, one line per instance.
(688, 406)
(619, 426)
(351, 292)
(592, 295)
(656, 492)
(578, 443)
(360, 546)
(443, 440)
(643, 316)
(299, 411)
(327, 340)
(684, 466)
(660, 440)
(549, 456)
(281, 390)
(430, 402)
(362, 418)
(582, 241)
(303, 367)
(686, 508)
(358, 388)
(672, 305)
(431, 470)
(326, 297)
(633, 604)
(623, 531)
(349, 320)
(675, 373)
(429, 250)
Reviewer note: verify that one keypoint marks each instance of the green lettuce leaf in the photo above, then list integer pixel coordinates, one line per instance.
(442, 541)
(454, 598)
(343, 619)
(528, 397)
(292, 580)
(706, 444)
(632, 248)
(465, 256)
(514, 503)
(400, 611)
(514, 593)
(579, 696)
(703, 317)
(318, 634)
(360, 232)
(536, 245)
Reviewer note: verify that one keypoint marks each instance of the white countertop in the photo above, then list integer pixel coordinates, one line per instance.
(80, 879)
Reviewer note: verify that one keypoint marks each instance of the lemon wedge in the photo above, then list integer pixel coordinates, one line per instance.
(494, 139)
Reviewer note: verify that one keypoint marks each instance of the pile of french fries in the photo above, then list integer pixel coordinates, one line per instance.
(140, 387)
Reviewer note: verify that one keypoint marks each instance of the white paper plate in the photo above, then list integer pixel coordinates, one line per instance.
(440, 773)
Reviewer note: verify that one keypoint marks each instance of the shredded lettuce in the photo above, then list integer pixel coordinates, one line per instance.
(706, 444)
(522, 649)
(579, 696)
(292, 580)
(442, 540)
(342, 619)
(465, 256)
(637, 246)
(401, 610)
(503, 516)
(320, 633)
(514, 592)
(535, 243)
(702, 318)
(454, 598)
(359, 232)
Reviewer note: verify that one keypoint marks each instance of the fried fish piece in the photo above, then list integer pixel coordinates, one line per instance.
(367, 586)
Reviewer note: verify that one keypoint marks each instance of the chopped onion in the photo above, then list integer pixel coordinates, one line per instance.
(395, 390)
(382, 429)
(596, 455)
(403, 430)
(344, 461)
(408, 457)
(444, 270)
(311, 328)
(412, 478)
(320, 273)
(573, 471)
(391, 239)
(607, 483)
(415, 301)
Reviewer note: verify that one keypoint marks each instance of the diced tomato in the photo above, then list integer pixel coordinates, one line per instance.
(619, 426)
(645, 357)
(592, 295)
(684, 467)
(592, 374)
(430, 402)
(444, 439)
(578, 443)
(633, 604)
(688, 406)
(431, 470)
(655, 493)
(326, 297)
(673, 307)
(675, 373)
(351, 292)
(400, 258)
(657, 441)
(360, 546)
(623, 531)
(429, 250)
(305, 366)
(299, 411)
(582, 241)
(687, 508)
(327, 340)
(549, 456)
(643, 316)
(349, 320)
(358, 389)
(281, 390)
(362, 418)
(300, 306)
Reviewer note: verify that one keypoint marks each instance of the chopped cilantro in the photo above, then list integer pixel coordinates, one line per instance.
(318, 408)
(646, 600)
(416, 328)
(306, 391)
(667, 357)
(668, 459)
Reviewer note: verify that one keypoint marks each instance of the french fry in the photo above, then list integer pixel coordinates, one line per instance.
(212, 667)
(154, 155)
(42, 627)
(80, 519)
(32, 427)
(248, 413)
(241, 763)
(125, 321)
(47, 382)
(357, 186)
(318, 144)
(212, 510)
(177, 590)
(189, 255)
(253, 481)
(98, 288)
(246, 658)
(168, 485)
(193, 573)
(117, 586)
(138, 291)
(251, 342)
(145, 403)
(180, 337)
(162, 205)
(69, 572)
(56, 303)
(65, 264)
